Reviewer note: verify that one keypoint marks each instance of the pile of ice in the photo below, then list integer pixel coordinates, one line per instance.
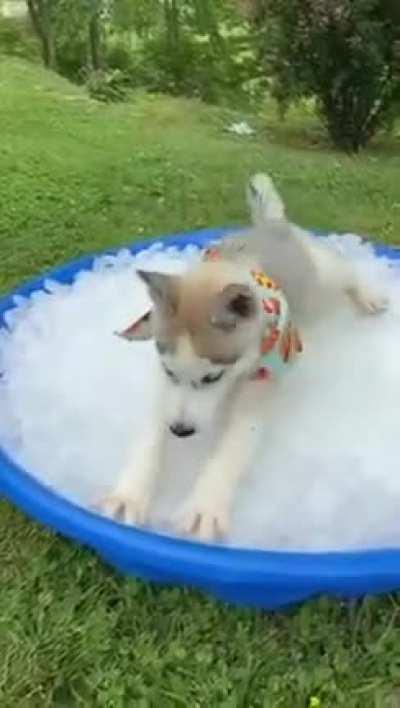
(73, 397)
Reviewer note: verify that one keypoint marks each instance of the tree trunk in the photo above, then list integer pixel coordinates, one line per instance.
(49, 52)
(96, 60)
(171, 14)
(41, 22)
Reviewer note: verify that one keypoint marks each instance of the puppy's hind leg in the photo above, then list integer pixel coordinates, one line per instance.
(342, 274)
(313, 262)
(367, 299)
(338, 273)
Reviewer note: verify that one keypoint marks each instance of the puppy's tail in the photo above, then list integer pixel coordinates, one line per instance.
(264, 201)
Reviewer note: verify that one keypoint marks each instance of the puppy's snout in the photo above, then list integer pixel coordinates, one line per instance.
(181, 430)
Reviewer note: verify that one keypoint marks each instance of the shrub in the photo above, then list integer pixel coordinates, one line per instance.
(225, 73)
(107, 86)
(345, 53)
(71, 53)
(119, 54)
(166, 68)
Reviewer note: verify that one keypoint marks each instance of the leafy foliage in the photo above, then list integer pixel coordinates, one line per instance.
(344, 52)
(191, 47)
(108, 85)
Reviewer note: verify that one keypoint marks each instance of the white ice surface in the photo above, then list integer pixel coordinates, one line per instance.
(73, 397)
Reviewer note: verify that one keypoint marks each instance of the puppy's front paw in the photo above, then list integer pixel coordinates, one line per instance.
(130, 509)
(370, 301)
(205, 520)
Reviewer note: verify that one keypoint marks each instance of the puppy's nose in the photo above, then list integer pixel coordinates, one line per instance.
(181, 431)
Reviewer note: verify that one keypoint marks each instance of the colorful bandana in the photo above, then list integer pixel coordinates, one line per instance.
(281, 341)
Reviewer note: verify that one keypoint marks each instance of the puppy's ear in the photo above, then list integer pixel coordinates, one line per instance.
(139, 330)
(163, 289)
(235, 303)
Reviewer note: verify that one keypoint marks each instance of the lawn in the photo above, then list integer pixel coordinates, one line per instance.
(77, 176)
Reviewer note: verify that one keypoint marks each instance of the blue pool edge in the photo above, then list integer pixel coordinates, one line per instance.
(265, 579)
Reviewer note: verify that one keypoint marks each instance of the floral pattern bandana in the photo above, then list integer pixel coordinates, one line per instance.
(281, 342)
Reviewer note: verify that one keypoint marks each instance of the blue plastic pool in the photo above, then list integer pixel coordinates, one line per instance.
(263, 579)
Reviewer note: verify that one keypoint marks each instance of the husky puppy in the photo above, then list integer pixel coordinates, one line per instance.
(225, 331)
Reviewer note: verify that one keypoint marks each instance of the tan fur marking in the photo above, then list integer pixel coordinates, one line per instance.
(197, 294)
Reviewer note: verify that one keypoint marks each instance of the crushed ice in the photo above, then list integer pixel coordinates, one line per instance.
(73, 397)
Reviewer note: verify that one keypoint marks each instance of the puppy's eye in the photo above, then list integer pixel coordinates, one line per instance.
(211, 378)
(161, 347)
(170, 374)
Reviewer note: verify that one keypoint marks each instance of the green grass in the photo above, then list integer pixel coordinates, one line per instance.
(76, 176)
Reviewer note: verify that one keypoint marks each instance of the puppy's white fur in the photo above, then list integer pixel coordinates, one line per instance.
(311, 275)
(309, 271)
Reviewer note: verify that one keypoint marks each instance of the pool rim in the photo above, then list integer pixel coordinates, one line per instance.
(265, 578)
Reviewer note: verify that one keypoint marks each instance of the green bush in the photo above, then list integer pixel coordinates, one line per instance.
(107, 86)
(225, 73)
(72, 56)
(119, 55)
(343, 52)
(166, 69)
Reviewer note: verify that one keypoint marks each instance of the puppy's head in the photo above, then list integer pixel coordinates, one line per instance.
(206, 326)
